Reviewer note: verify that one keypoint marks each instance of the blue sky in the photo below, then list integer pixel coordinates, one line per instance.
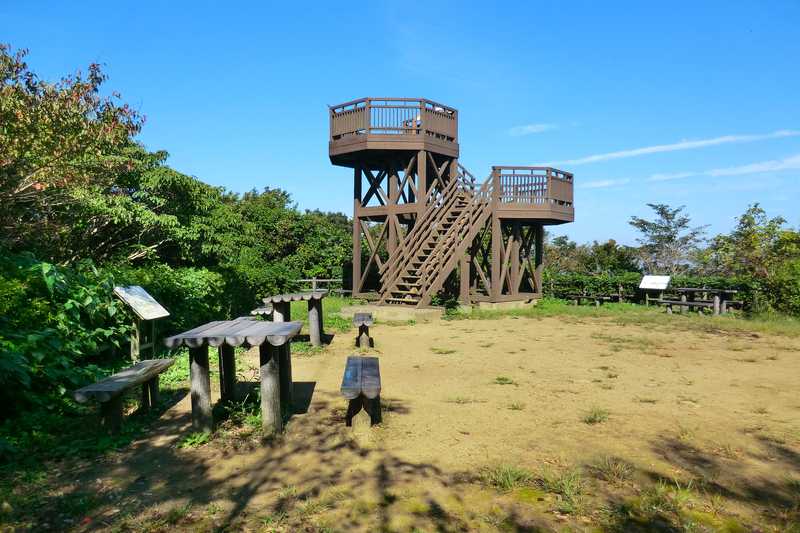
(694, 103)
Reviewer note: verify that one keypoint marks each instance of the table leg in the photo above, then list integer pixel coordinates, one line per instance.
(287, 388)
(227, 372)
(315, 321)
(271, 420)
(201, 389)
(281, 312)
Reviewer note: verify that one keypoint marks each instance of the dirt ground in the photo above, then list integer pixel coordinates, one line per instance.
(514, 424)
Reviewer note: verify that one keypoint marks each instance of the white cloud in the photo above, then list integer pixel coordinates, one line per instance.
(674, 147)
(528, 129)
(774, 165)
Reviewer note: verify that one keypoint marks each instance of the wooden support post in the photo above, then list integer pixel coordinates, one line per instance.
(315, 321)
(227, 373)
(514, 259)
(271, 419)
(287, 386)
(392, 180)
(464, 279)
(155, 397)
(723, 308)
(497, 258)
(539, 258)
(716, 305)
(136, 338)
(357, 231)
(683, 307)
(201, 389)
(144, 403)
(422, 181)
(282, 312)
(111, 414)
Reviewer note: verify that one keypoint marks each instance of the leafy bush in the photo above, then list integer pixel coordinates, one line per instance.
(56, 325)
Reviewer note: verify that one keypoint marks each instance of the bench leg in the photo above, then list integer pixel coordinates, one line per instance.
(353, 408)
(271, 420)
(227, 373)
(281, 312)
(111, 414)
(373, 407)
(202, 419)
(315, 322)
(145, 403)
(363, 338)
(669, 309)
(152, 385)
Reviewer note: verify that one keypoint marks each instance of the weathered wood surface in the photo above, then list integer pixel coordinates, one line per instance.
(295, 297)
(202, 419)
(683, 303)
(269, 363)
(227, 372)
(361, 376)
(112, 386)
(265, 310)
(363, 319)
(361, 385)
(315, 328)
(236, 333)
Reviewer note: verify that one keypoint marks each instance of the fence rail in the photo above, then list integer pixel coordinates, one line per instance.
(394, 116)
(533, 185)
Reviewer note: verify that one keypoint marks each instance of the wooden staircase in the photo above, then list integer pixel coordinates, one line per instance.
(440, 237)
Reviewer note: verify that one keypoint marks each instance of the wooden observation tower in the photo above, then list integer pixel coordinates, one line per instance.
(427, 224)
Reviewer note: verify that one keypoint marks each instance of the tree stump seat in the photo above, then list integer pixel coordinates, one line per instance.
(363, 321)
(108, 392)
(361, 385)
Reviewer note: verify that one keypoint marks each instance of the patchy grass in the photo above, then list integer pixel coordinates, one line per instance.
(516, 406)
(595, 415)
(503, 380)
(442, 351)
(462, 400)
(194, 440)
(613, 469)
(567, 484)
(506, 478)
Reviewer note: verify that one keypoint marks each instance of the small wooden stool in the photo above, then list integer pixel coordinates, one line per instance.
(361, 385)
(363, 321)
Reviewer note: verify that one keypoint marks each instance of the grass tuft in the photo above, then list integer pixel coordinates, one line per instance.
(596, 415)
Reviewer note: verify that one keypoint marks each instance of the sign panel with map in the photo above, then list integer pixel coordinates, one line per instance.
(144, 305)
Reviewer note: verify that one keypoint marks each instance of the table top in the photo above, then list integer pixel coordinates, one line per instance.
(295, 297)
(235, 333)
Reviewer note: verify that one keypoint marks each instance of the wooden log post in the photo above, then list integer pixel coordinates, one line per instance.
(202, 419)
(281, 311)
(152, 385)
(111, 414)
(145, 402)
(227, 373)
(315, 328)
(683, 307)
(716, 305)
(271, 420)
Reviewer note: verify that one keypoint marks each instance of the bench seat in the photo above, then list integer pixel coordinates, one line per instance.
(363, 321)
(361, 385)
(108, 392)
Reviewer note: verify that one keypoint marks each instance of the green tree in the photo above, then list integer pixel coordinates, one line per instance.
(667, 242)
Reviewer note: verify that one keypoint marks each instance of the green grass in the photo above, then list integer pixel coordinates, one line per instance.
(331, 305)
(595, 415)
(503, 380)
(506, 478)
(194, 440)
(634, 314)
(442, 351)
(567, 484)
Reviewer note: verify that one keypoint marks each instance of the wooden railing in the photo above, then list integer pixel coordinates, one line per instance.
(394, 116)
(532, 185)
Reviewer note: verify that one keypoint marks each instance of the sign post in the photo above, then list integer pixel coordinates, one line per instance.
(147, 311)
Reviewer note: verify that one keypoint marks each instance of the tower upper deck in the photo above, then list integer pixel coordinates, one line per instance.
(365, 127)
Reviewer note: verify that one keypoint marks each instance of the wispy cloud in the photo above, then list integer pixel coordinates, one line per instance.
(529, 129)
(675, 147)
(602, 184)
(774, 165)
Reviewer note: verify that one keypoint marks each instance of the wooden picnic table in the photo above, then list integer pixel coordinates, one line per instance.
(280, 306)
(272, 338)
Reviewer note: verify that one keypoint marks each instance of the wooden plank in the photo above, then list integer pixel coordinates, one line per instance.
(112, 386)
(351, 381)
(370, 377)
(362, 318)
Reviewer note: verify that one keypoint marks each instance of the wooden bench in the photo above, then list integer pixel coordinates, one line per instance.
(597, 299)
(361, 385)
(108, 392)
(363, 321)
(682, 303)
